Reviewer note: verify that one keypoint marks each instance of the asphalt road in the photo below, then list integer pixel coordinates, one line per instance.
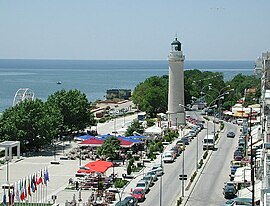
(209, 188)
(167, 192)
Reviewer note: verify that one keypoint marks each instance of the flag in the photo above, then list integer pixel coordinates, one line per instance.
(22, 196)
(13, 197)
(17, 192)
(9, 196)
(33, 183)
(29, 187)
(40, 179)
(46, 176)
(25, 189)
(4, 198)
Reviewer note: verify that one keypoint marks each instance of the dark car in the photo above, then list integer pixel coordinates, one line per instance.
(231, 134)
(233, 170)
(238, 153)
(229, 191)
(238, 158)
(185, 140)
(128, 201)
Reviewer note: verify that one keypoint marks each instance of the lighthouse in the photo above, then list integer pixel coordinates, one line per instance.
(176, 112)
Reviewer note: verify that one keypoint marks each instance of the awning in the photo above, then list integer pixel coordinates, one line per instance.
(83, 137)
(241, 114)
(92, 142)
(153, 130)
(97, 166)
(246, 192)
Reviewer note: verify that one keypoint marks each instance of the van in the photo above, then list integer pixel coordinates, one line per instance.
(209, 142)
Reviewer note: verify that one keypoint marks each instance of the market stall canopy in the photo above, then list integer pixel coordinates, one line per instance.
(97, 166)
(97, 142)
(83, 137)
(153, 130)
(92, 142)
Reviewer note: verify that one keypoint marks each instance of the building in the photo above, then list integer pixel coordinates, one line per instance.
(118, 94)
(176, 110)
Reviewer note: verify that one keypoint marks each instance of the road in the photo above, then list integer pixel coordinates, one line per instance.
(167, 192)
(209, 188)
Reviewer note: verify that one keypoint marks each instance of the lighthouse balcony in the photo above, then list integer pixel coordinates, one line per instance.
(176, 56)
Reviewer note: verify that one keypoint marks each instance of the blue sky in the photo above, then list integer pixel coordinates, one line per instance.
(134, 29)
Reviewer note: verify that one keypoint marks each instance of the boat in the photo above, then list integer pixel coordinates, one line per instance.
(59, 82)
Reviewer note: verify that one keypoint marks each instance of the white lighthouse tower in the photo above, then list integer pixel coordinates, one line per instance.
(176, 112)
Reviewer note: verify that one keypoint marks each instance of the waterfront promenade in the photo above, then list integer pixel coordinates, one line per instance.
(59, 174)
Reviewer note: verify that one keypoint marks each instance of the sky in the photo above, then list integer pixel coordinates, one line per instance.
(133, 29)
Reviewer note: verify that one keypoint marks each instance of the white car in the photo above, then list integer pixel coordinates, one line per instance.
(143, 184)
(158, 169)
(168, 157)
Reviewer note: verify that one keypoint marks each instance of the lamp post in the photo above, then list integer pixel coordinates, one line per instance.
(7, 160)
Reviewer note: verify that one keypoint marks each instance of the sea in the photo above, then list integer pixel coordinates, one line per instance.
(94, 77)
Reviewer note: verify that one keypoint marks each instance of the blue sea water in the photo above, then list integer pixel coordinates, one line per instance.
(94, 77)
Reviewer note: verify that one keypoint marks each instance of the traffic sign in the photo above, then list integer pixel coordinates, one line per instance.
(182, 177)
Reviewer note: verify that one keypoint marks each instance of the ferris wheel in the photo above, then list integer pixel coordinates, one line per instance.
(23, 94)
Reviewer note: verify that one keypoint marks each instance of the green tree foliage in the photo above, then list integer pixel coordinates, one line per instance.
(135, 126)
(240, 83)
(109, 148)
(151, 95)
(197, 81)
(74, 108)
(33, 123)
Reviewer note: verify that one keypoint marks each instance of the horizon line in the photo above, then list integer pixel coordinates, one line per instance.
(63, 59)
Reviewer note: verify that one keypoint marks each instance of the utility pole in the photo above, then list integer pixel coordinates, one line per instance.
(251, 161)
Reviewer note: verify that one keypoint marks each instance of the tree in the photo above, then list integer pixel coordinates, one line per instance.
(109, 148)
(74, 108)
(32, 123)
(134, 127)
(151, 96)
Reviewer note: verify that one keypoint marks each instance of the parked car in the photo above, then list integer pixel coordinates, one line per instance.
(238, 153)
(181, 145)
(229, 190)
(153, 174)
(231, 134)
(185, 140)
(176, 150)
(238, 158)
(128, 201)
(143, 184)
(158, 169)
(150, 179)
(139, 194)
(168, 157)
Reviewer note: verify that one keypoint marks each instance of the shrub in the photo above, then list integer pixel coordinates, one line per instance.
(193, 176)
(205, 154)
(102, 120)
(200, 163)
(119, 183)
(129, 170)
(136, 158)
(221, 126)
